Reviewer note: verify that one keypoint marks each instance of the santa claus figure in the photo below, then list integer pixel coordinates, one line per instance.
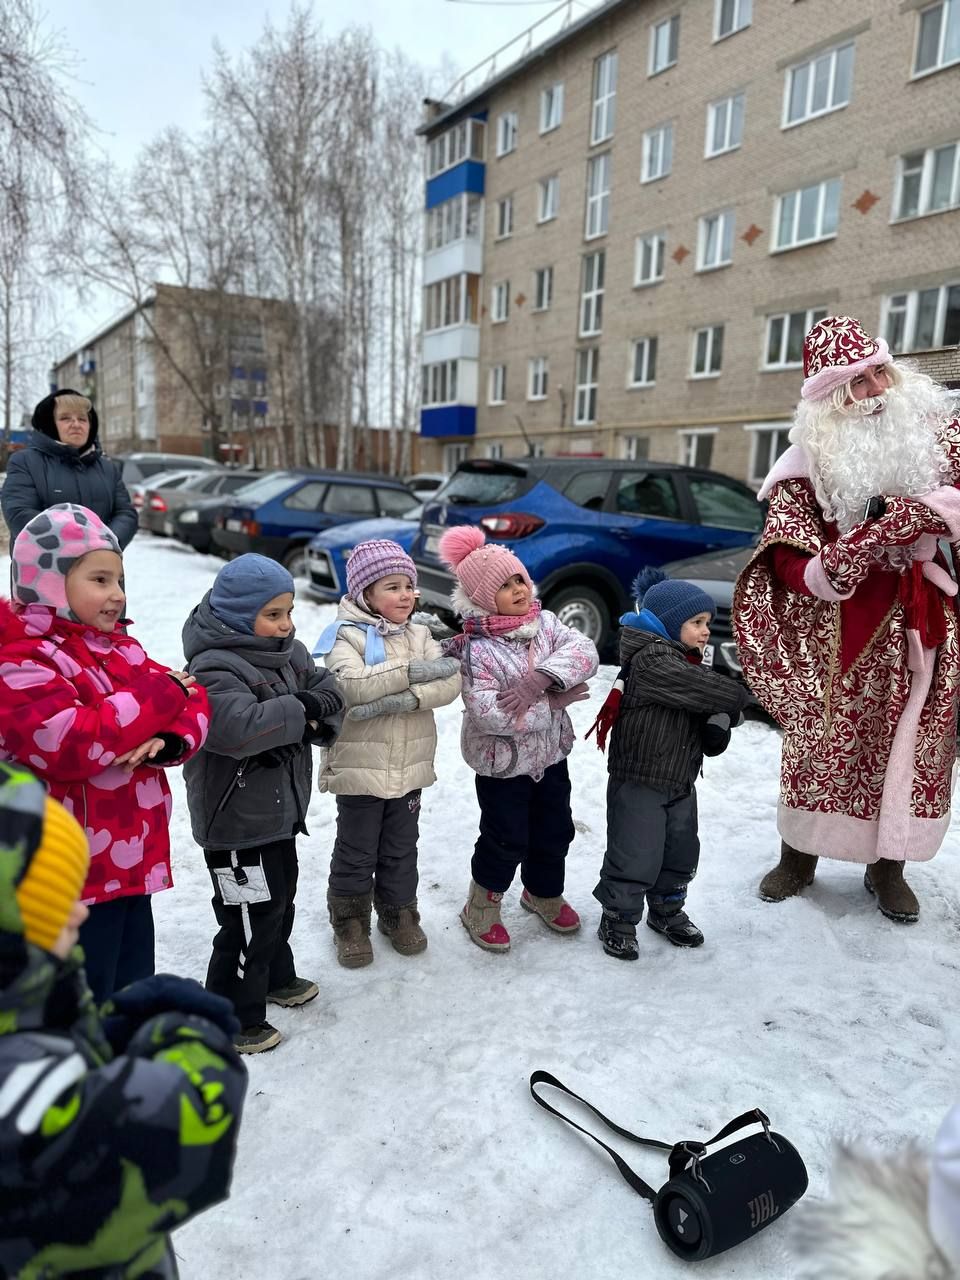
(845, 617)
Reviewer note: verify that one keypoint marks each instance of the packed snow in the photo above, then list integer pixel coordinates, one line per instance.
(392, 1134)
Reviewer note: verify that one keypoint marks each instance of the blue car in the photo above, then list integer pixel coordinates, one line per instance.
(584, 527)
(327, 553)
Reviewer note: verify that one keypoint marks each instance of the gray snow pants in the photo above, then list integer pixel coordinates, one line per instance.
(652, 849)
(376, 841)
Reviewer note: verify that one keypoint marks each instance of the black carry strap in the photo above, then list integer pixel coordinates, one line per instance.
(680, 1153)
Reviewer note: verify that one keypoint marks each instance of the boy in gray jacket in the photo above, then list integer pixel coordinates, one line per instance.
(248, 789)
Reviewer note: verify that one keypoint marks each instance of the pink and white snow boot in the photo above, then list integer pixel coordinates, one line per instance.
(481, 919)
(556, 913)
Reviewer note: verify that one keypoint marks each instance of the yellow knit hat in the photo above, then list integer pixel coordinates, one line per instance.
(54, 877)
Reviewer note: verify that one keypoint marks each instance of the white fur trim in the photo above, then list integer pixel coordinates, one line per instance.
(793, 464)
(818, 584)
(464, 607)
(945, 1188)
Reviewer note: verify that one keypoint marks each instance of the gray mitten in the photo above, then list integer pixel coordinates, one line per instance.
(423, 670)
(393, 704)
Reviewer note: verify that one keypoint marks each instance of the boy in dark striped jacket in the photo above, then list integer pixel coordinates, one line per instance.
(664, 713)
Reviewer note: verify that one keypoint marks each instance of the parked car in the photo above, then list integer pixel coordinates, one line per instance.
(194, 523)
(717, 573)
(281, 512)
(161, 501)
(327, 553)
(167, 479)
(137, 467)
(585, 526)
(426, 483)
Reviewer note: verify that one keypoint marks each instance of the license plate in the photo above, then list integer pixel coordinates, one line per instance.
(168, 528)
(431, 543)
(708, 655)
(234, 526)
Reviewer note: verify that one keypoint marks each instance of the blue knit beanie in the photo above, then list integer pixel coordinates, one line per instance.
(672, 600)
(244, 586)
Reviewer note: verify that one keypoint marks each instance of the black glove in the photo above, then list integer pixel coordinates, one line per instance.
(320, 704)
(173, 748)
(128, 1009)
(275, 757)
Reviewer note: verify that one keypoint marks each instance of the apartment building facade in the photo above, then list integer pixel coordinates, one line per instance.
(630, 229)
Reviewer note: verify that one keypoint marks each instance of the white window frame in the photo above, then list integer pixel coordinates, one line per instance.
(538, 377)
(644, 350)
(597, 218)
(810, 65)
(504, 218)
(551, 107)
(810, 316)
(910, 308)
(687, 439)
(651, 247)
(732, 139)
(452, 295)
(603, 111)
(507, 131)
(592, 284)
(742, 18)
(949, 12)
(659, 142)
(822, 201)
(586, 381)
(453, 455)
(926, 171)
(548, 198)
(762, 459)
(631, 450)
(500, 302)
(497, 384)
(493, 450)
(464, 141)
(715, 240)
(711, 330)
(543, 298)
(460, 218)
(659, 58)
(439, 382)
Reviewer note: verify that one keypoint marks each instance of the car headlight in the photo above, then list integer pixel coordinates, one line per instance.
(730, 656)
(189, 517)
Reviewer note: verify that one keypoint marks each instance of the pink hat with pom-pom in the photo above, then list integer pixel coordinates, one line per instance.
(481, 567)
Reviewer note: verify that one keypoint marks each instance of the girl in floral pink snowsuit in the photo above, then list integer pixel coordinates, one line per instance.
(521, 668)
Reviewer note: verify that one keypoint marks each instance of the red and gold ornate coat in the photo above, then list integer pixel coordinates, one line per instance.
(869, 743)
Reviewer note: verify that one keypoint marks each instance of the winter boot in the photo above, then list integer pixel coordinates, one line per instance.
(794, 872)
(556, 913)
(895, 898)
(257, 1039)
(297, 991)
(481, 919)
(619, 936)
(677, 927)
(402, 926)
(350, 918)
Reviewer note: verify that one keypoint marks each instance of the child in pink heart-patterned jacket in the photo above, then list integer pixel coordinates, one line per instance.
(85, 709)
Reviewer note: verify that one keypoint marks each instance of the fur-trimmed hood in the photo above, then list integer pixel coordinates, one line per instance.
(464, 607)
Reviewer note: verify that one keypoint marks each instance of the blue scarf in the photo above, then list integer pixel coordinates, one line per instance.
(374, 650)
(646, 621)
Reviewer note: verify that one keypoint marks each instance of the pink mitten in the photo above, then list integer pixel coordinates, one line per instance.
(518, 699)
(563, 698)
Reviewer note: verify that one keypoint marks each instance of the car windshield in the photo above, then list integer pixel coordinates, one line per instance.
(480, 488)
(266, 487)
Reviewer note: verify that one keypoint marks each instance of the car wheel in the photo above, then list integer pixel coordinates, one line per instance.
(583, 609)
(296, 562)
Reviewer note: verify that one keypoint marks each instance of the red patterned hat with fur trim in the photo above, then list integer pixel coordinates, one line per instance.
(835, 351)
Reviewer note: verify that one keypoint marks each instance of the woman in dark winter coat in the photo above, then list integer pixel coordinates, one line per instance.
(64, 463)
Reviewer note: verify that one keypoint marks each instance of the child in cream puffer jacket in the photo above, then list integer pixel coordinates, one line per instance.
(392, 674)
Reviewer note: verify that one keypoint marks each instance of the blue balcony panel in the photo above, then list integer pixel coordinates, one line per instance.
(449, 420)
(467, 176)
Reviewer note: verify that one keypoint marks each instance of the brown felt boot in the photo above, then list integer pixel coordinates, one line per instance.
(895, 898)
(402, 926)
(350, 918)
(793, 873)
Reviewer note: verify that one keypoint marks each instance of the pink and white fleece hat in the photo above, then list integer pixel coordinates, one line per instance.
(46, 550)
(480, 567)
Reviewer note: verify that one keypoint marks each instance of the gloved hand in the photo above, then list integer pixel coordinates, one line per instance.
(392, 704)
(128, 1009)
(423, 670)
(517, 700)
(847, 561)
(320, 704)
(562, 698)
(274, 757)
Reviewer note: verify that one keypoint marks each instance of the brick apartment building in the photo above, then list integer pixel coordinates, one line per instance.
(631, 227)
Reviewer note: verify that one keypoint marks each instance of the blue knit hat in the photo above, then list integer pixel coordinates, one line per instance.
(672, 600)
(244, 586)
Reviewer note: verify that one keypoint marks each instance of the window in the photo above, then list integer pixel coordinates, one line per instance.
(497, 391)
(724, 125)
(591, 293)
(394, 502)
(506, 133)
(819, 85)
(696, 447)
(307, 498)
(585, 402)
(455, 219)
(648, 260)
(731, 16)
(725, 506)
(463, 142)
(715, 241)
(538, 374)
(643, 362)
(785, 335)
(636, 448)
(807, 215)
(588, 489)
(551, 108)
(928, 181)
(504, 217)
(537, 449)
(542, 288)
(657, 153)
(938, 41)
(500, 302)
(448, 302)
(494, 452)
(770, 440)
(664, 39)
(707, 351)
(598, 196)
(440, 383)
(350, 499)
(453, 455)
(548, 202)
(641, 494)
(604, 111)
(923, 318)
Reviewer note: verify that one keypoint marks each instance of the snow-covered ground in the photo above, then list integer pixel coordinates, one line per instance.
(393, 1135)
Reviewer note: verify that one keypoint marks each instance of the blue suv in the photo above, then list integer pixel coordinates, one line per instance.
(584, 527)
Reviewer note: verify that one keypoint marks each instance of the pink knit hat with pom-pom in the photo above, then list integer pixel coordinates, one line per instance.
(481, 567)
